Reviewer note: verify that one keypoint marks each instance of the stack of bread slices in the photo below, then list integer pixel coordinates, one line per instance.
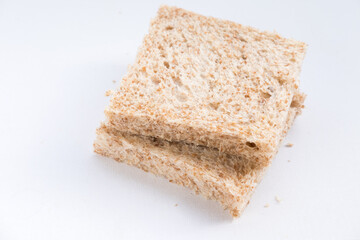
(206, 105)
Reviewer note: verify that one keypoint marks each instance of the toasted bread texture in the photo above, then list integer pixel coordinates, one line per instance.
(210, 82)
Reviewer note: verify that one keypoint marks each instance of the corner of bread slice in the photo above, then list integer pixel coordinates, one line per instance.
(215, 176)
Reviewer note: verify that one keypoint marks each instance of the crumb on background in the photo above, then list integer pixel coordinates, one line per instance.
(267, 205)
(176, 205)
(108, 93)
(289, 161)
(278, 199)
(289, 145)
(114, 81)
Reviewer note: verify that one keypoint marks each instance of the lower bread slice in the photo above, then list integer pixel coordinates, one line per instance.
(207, 171)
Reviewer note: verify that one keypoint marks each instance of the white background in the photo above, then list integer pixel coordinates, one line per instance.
(57, 59)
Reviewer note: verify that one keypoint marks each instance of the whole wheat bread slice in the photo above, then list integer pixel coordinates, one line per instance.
(210, 82)
(215, 175)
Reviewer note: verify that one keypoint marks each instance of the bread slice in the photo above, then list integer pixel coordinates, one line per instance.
(210, 82)
(209, 173)
(215, 175)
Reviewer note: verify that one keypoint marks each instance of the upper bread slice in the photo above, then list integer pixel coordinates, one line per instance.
(210, 82)
(225, 178)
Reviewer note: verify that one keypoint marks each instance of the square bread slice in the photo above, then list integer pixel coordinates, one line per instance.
(215, 175)
(210, 82)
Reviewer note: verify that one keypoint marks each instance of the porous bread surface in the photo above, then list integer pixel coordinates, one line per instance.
(213, 174)
(210, 82)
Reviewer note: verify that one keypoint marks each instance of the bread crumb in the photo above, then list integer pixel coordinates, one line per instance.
(289, 161)
(114, 81)
(289, 145)
(266, 205)
(176, 205)
(278, 199)
(108, 93)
